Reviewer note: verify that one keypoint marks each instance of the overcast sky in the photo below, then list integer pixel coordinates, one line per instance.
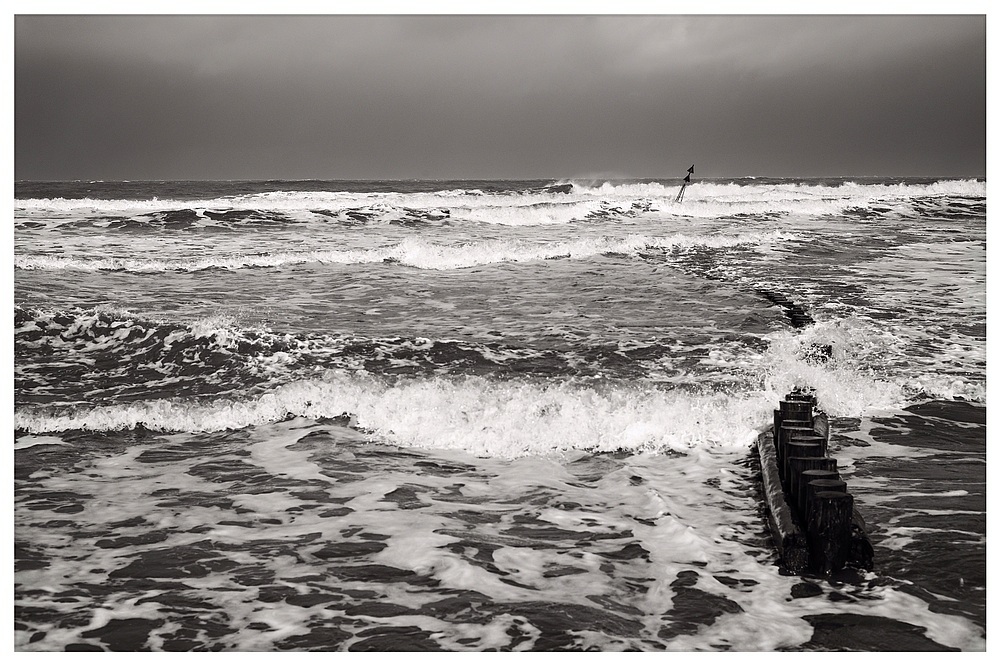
(234, 97)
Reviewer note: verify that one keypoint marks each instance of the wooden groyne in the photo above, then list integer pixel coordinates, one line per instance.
(798, 316)
(812, 517)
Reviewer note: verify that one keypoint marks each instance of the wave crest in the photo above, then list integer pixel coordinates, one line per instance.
(413, 252)
(555, 204)
(485, 417)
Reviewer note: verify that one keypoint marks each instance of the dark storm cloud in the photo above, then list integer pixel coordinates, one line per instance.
(502, 96)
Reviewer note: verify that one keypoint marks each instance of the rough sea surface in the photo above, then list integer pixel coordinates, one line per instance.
(489, 415)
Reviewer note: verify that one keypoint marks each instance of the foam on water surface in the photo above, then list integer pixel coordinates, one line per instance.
(410, 252)
(350, 543)
(511, 417)
(701, 197)
(474, 416)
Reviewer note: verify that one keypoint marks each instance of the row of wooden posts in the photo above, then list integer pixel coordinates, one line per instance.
(799, 317)
(811, 514)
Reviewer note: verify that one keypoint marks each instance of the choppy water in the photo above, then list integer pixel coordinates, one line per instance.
(488, 415)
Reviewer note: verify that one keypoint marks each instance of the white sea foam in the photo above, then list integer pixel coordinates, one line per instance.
(528, 214)
(702, 199)
(506, 418)
(414, 252)
(864, 372)
(788, 190)
(492, 418)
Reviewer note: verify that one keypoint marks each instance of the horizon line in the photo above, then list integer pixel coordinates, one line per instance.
(503, 178)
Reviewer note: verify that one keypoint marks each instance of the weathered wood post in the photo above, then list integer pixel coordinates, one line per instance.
(799, 448)
(822, 485)
(795, 437)
(811, 437)
(799, 467)
(799, 410)
(787, 433)
(826, 468)
(780, 436)
(829, 530)
(795, 410)
(802, 489)
(798, 395)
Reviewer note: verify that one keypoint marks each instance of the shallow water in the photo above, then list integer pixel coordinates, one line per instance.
(303, 535)
(488, 416)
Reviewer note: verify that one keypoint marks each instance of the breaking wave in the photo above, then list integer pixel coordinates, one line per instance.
(413, 252)
(561, 203)
(484, 398)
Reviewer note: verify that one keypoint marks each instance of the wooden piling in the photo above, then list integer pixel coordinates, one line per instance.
(792, 408)
(792, 423)
(811, 437)
(784, 436)
(825, 468)
(781, 436)
(829, 530)
(812, 517)
(798, 448)
(801, 395)
(816, 486)
(804, 470)
(800, 410)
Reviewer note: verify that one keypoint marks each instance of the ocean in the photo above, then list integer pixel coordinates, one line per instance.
(489, 415)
